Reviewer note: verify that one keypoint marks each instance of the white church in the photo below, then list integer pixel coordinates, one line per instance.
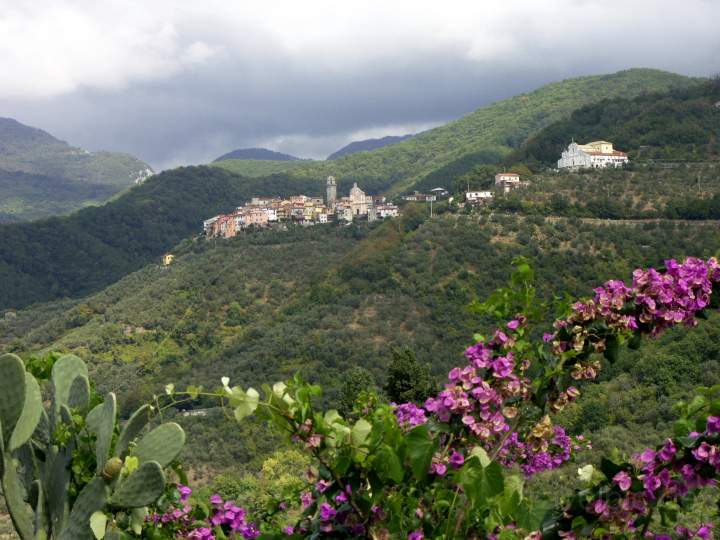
(596, 154)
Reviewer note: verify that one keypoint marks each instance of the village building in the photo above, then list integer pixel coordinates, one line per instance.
(419, 197)
(440, 192)
(387, 211)
(507, 181)
(593, 155)
(478, 197)
(359, 202)
(168, 259)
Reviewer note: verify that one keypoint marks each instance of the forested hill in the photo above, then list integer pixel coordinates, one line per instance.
(320, 300)
(683, 124)
(490, 132)
(257, 154)
(367, 145)
(41, 175)
(83, 252)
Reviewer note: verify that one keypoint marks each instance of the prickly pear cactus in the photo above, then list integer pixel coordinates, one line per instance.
(141, 488)
(163, 444)
(36, 465)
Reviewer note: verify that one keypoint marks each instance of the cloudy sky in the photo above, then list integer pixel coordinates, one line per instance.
(182, 81)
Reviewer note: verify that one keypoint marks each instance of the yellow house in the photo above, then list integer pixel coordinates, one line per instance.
(167, 259)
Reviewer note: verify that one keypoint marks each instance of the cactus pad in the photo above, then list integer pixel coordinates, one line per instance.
(141, 488)
(91, 499)
(30, 416)
(12, 392)
(104, 430)
(79, 395)
(15, 499)
(163, 444)
(56, 480)
(64, 372)
(132, 429)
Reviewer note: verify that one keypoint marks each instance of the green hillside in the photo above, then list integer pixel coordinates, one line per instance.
(641, 191)
(259, 167)
(42, 176)
(683, 124)
(84, 252)
(490, 132)
(320, 300)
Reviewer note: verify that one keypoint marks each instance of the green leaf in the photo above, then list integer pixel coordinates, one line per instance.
(248, 403)
(387, 464)
(137, 519)
(480, 453)
(481, 483)
(360, 432)
(98, 524)
(193, 391)
(420, 449)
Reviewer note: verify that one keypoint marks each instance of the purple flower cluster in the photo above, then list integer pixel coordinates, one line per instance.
(668, 474)
(410, 415)
(537, 454)
(230, 517)
(184, 524)
(476, 394)
(655, 301)
(476, 399)
(334, 511)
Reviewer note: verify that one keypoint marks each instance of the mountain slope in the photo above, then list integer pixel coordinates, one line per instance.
(60, 178)
(683, 124)
(256, 154)
(367, 145)
(256, 168)
(494, 130)
(260, 307)
(81, 253)
(25, 196)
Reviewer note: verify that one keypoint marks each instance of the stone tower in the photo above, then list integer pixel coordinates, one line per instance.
(331, 190)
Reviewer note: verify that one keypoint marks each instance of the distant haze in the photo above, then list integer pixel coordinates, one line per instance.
(184, 82)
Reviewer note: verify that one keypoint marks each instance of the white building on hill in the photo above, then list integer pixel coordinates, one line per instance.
(507, 181)
(594, 155)
(475, 197)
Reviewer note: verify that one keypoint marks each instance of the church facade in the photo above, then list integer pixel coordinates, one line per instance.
(593, 155)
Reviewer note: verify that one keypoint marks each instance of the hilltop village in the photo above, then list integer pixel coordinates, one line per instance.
(263, 212)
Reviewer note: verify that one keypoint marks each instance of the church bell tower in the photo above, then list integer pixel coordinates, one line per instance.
(331, 190)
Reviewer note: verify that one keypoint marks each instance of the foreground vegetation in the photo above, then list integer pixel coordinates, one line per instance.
(446, 468)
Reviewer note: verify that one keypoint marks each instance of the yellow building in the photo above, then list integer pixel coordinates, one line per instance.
(167, 259)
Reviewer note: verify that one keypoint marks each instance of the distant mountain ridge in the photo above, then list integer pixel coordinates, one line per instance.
(367, 145)
(256, 153)
(41, 175)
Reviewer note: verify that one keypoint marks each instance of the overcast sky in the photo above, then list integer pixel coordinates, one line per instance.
(178, 82)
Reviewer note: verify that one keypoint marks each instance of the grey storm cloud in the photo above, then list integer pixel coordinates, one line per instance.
(177, 83)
